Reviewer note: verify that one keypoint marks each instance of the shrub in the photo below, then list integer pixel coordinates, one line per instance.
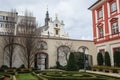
(4, 67)
(54, 67)
(80, 61)
(100, 59)
(117, 58)
(1, 77)
(58, 65)
(22, 66)
(107, 59)
(13, 67)
(72, 65)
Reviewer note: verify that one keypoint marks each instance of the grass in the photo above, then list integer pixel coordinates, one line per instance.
(26, 76)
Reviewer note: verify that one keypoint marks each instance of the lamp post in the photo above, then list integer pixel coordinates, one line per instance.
(84, 48)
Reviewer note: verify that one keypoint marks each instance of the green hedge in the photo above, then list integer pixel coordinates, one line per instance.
(72, 78)
(69, 75)
(63, 75)
(38, 76)
(1, 77)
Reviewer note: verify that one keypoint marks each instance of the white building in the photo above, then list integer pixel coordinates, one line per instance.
(53, 28)
(8, 22)
(53, 41)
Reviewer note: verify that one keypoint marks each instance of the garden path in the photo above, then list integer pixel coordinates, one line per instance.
(103, 73)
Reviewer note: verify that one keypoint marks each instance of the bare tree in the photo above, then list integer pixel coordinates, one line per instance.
(27, 29)
(8, 39)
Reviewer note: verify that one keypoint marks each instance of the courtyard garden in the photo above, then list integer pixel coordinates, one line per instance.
(68, 72)
(55, 75)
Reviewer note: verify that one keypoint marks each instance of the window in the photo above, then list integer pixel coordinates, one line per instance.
(116, 49)
(1, 18)
(115, 28)
(100, 30)
(101, 34)
(100, 13)
(56, 25)
(113, 6)
(10, 18)
(57, 32)
(7, 26)
(6, 18)
(1, 25)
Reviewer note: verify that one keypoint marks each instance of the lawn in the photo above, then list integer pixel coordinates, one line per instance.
(26, 76)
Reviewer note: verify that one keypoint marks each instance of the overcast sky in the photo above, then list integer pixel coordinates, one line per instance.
(74, 13)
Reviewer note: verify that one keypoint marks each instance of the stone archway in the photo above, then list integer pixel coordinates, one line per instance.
(41, 61)
(89, 58)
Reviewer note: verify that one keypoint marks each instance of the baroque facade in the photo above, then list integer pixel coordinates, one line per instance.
(106, 26)
(52, 41)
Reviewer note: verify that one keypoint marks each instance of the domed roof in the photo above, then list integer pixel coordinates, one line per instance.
(56, 19)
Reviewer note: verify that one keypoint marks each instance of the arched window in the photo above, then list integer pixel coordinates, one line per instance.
(80, 49)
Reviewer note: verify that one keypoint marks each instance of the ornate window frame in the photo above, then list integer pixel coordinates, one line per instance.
(100, 30)
(114, 26)
(113, 6)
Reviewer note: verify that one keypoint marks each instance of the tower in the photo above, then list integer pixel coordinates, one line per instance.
(47, 18)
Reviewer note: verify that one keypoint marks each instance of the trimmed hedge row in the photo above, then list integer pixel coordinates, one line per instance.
(17, 70)
(63, 75)
(1, 77)
(38, 76)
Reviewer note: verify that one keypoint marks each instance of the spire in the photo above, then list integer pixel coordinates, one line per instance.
(56, 16)
(47, 17)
